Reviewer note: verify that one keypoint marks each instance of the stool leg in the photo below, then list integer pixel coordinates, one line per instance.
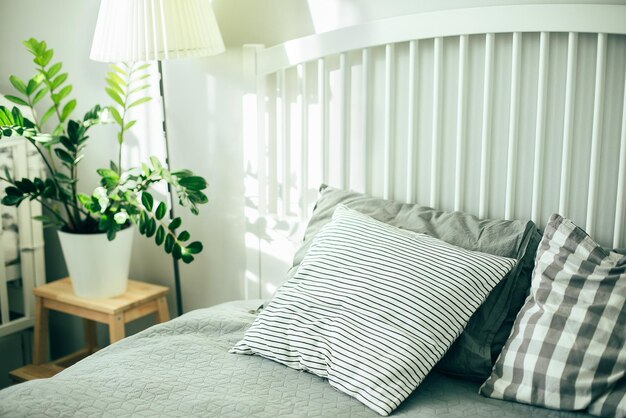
(116, 328)
(163, 313)
(40, 349)
(91, 340)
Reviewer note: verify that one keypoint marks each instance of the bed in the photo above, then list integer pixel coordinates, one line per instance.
(494, 119)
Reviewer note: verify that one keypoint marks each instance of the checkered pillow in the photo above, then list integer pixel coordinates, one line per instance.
(566, 350)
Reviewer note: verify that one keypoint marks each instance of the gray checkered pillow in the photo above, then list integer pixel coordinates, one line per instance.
(566, 350)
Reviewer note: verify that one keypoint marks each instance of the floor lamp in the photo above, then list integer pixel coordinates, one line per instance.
(156, 30)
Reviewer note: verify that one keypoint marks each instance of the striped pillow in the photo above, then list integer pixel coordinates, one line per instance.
(372, 307)
(566, 350)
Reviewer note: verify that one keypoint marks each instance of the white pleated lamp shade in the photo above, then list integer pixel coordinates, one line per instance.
(147, 30)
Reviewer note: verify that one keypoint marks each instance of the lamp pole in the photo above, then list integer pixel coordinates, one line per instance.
(175, 263)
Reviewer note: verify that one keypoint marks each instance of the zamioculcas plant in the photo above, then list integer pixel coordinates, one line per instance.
(123, 196)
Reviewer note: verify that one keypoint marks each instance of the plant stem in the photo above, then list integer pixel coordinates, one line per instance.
(72, 222)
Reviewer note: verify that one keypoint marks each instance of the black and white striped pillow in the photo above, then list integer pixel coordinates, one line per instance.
(373, 307)
(567, 348)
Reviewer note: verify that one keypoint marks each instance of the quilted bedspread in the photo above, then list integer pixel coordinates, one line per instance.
(182, 368)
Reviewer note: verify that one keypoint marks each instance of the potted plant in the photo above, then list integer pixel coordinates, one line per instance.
(88, 223)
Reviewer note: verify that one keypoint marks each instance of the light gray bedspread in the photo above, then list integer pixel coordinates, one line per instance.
(182, 368)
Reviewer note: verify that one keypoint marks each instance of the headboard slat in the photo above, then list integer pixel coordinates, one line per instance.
(388, 140)
(435, 147)
(410, 146)
(461, 112)
(304, 140)
(513, 138)
(365, 131)
(486, 126)
(568, 121)
(620, 210)
(598, 110)
(344, 119)
(540, 129)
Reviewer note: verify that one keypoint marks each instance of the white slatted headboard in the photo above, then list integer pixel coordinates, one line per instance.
(503, 112)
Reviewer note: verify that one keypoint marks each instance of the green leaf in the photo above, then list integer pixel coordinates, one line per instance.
(136, 89)
(151, 227)
(187, 258)
(194, 183)
(113, 95)
(140, 101)
(12, 200)
(156, 163)
(18, 84)
(62, 94)
(161, 210)
(40, 94)
(183, 236)
(129, 125)
(92, 115)
(16, 100)
(47, 115)
(169, 243)
(62, 178)
(46, 57)
(109, 178)
(84, 199)
(197, 197)
(57, 131)
(111, 234)
(147, 200)
(64, 156)
(54, 69)
(105, 172)
(47, 220)
(31, 86)
(143, 220)
(13, 191)
(31, 45)
(141, 67)
(68, 109)
(177, 251)
(182, 173)
(195, 247)
(116, 115)
(114, 82)
(113, 166)
(26, 185)
(67, 143)
(175, 223)
(58, 80)
(160, 235)
(118, 70)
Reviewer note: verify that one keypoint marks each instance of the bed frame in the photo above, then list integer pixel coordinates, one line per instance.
(502, 111)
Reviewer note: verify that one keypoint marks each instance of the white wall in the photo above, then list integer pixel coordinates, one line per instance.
(204, 105)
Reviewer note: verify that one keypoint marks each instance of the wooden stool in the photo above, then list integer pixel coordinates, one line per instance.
(140, 299)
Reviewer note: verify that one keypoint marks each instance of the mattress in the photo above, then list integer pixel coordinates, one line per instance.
(183, 368)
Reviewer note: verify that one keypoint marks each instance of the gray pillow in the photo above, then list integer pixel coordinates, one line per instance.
(474, 352)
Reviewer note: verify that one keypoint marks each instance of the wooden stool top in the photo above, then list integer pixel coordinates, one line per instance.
(137, 293)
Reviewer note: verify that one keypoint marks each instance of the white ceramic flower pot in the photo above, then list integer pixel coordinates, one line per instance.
(98, 267)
